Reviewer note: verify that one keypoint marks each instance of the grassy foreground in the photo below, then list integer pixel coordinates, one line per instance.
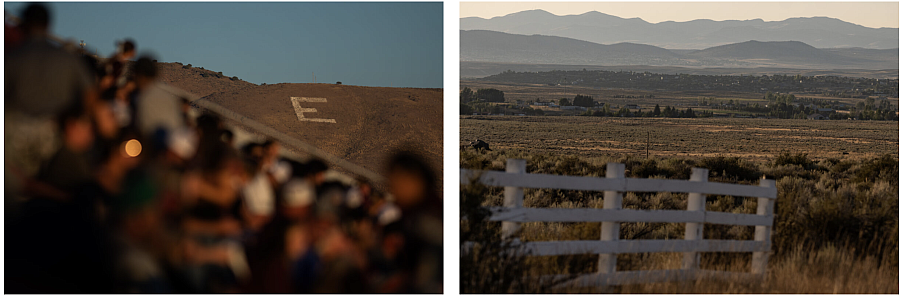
(835, 226)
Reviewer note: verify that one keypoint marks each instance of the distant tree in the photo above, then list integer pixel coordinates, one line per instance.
(465, 109)
(466, 95)
(583, 101)
(656, 111)
(564, 102)
(489, 95)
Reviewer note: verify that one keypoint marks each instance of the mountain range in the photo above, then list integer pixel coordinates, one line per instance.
(597, 27)
(492, 46)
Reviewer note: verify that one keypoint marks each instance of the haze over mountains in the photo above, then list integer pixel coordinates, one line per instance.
(597, 27)
(492, 46)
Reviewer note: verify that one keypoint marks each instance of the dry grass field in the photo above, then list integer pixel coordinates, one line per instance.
(751, 139)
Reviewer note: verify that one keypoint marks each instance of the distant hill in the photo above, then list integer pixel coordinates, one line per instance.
(503, 47)
(498, 47)
(790, 54)
(371, 122)
(597, 27)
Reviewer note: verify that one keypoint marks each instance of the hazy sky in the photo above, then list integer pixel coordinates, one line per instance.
(369, 44)
(869, 14)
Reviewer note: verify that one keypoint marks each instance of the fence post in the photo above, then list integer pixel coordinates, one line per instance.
(765, 207)
(512, 196)
(609, 231)
(694, 231)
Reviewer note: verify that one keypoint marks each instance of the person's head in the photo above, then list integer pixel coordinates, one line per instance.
(145, 72)
(315, 171)
(128, 49)
(253, 151)
(76, 128)
(227, 137)
(271, 148)
(35, 19)
(411, 180)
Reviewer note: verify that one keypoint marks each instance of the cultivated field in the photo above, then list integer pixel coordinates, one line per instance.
(750, 139)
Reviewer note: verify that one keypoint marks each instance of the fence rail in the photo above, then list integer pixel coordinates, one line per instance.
(514, 180)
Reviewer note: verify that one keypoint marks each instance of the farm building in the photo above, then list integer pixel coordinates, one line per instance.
(632, 107)
(816, 117)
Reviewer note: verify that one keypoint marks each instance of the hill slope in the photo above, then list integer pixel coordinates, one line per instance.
(498, 47)
(370, 122)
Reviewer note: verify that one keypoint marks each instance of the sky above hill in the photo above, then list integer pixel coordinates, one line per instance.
(869, 14)
(367, 44)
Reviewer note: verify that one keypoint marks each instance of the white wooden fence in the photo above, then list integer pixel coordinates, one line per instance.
(612, 214)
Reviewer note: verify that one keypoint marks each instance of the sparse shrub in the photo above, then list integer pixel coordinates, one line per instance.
(800, 159)
(188, 66)
(730, 167)
(884, 167)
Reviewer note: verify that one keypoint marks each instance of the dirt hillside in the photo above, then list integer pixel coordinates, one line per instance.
(370, 122)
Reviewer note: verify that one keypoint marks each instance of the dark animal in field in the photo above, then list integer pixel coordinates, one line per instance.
(480, 145)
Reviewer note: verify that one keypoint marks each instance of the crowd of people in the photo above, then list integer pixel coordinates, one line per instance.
(111, 185)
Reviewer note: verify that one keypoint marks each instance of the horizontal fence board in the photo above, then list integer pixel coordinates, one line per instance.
(592, 215)
(551, 248)
(624, 215)
(497, 178)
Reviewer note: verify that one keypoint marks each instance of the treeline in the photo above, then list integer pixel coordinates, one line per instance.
(667, 112)
(483, 95)
(834, 86)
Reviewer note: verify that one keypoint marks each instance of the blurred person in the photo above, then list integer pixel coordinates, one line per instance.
(12, 36)
(277, 170)
(41, 80)
(413, 184)
(170, 166)
(64, 246)
(140, 239)
(215, 179)
(106, 125)
(69, 166)
(259, 196)
(387, 276)
(157, 111)
(212, 257)
(117, 66)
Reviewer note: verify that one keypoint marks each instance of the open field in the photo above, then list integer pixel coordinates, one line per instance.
(479, 69)
(677, 99)
(751, 139)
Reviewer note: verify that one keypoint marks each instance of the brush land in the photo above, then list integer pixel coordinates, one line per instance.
(835, 225)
